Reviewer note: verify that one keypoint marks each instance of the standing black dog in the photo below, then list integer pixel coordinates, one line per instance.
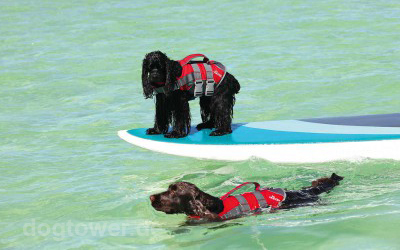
(186, 198)
(172, 107)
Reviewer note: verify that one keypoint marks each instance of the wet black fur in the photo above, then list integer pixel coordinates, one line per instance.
(187, 198)
(172, 108)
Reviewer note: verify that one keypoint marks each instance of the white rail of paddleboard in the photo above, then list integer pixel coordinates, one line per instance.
(280, 153)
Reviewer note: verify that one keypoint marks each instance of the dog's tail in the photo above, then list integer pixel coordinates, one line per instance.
(325, 184)
(234, 85)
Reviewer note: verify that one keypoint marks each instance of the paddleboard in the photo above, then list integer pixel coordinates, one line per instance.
(289, 141)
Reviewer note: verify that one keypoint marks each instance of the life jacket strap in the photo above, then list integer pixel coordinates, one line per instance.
(198, 81)
(187, 59)
(210, 83)
(257, 187)
(159, 90)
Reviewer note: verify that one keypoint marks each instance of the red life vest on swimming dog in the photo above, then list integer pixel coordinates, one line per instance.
(249, 202)
(198, 77)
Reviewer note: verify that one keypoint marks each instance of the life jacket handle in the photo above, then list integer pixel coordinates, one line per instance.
(240, 186)
(187, 59)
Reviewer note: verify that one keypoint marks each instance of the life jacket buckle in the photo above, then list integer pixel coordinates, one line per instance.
(210, 87)
(198, 88)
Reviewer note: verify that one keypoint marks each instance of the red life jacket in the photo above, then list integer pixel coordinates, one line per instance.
(249, 202)
(200, 78)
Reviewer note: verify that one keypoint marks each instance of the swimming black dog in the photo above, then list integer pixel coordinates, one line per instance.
(186, 198)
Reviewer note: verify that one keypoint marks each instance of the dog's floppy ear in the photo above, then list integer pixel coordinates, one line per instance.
(196, 207)
(200, 210)
(174, 70)
(147, 88)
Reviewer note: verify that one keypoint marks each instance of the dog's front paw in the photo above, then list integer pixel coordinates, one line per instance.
(175, 134)
(152, 131)
(220, 132)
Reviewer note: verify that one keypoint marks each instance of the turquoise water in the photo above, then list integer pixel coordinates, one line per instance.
(70, 79)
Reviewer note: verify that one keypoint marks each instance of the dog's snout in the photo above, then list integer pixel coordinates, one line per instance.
(152, 198)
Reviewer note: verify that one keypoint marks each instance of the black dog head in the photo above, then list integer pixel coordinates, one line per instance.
(185, 197)
(157, 71)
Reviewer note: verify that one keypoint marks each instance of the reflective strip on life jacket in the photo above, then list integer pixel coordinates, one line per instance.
(243, 203)
(260, 198)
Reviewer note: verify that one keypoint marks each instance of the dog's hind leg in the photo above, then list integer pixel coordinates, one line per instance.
(324, 185)
(222, 112)
(222, 103)
(308, 195)
(205, 111)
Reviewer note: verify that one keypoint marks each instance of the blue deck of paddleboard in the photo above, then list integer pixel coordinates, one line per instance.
(317, 130)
